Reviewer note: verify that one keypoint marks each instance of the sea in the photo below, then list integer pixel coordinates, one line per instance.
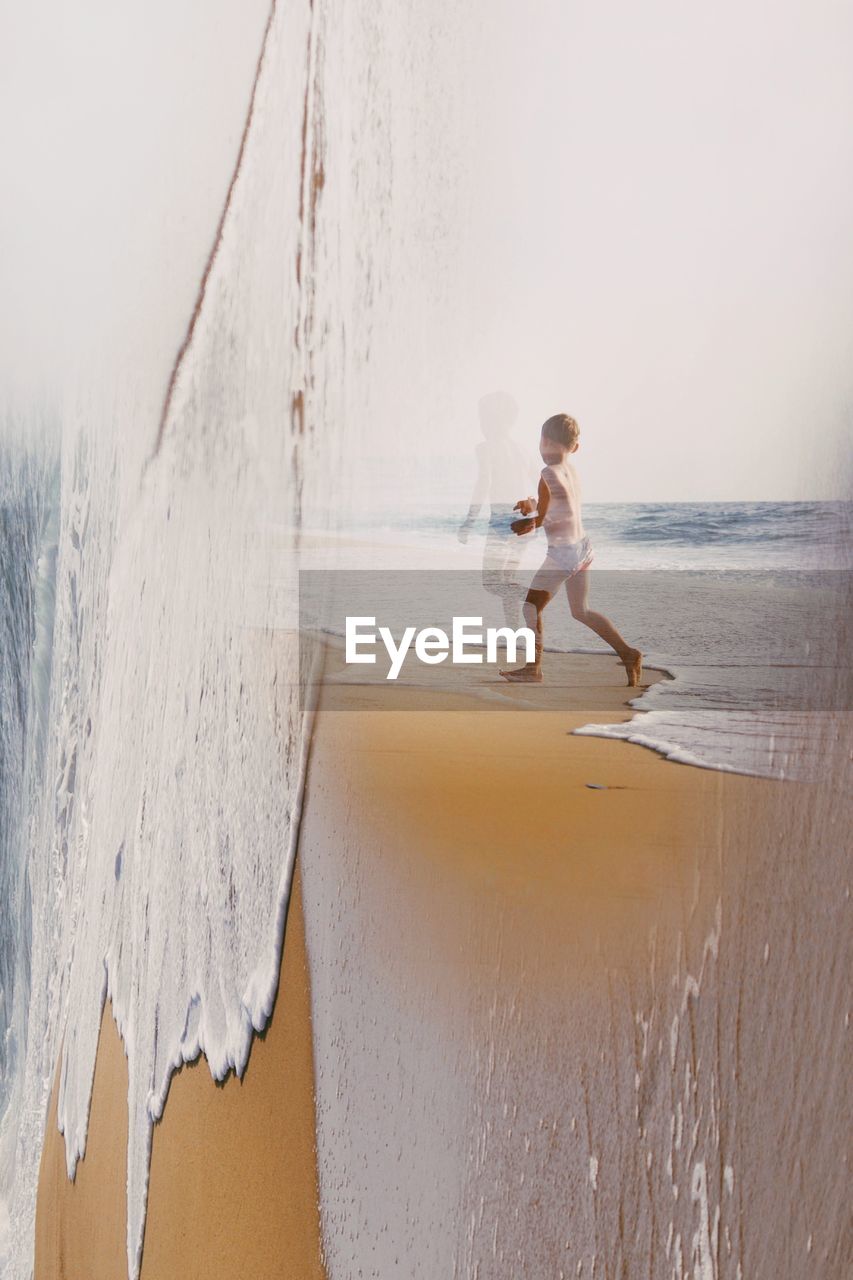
(28, 540)
(154, 736)
(743, 607)
(738, 604)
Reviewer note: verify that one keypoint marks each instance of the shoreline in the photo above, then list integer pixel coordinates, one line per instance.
(198, 1169)
(473, 890)
(545, 965)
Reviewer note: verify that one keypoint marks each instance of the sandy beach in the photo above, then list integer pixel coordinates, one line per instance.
(338, 342)
(551, 907)
(233, 1187)
(561, 967)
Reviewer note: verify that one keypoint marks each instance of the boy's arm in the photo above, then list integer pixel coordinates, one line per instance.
(529, 522)
(542, 503)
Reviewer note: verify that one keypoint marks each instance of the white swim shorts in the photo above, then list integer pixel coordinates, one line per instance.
(563, 561)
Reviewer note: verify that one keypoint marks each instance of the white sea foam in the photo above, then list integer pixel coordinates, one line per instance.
(782, 745)
(5, 1236)
(177, 740)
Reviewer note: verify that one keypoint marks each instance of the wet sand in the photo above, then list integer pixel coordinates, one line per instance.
(233, 1187)
(548, 1036)
(597, 995)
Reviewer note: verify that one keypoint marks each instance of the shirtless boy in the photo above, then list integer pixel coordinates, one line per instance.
(558, 510)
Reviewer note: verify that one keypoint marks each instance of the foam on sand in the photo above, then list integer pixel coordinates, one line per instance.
(177, 747)
(178, 736)
(5, 1236)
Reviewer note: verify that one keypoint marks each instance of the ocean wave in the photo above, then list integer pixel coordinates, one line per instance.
(176, 732)
(820, 524)
(27, 544)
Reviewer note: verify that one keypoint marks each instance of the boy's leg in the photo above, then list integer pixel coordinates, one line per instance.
(531, 672)
(577, 589)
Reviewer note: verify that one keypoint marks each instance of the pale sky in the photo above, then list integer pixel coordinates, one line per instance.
(638, 214)
(119, 124)
(664, 248)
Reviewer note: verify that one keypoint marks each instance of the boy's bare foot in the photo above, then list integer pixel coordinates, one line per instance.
(523, 675)
(633, 664)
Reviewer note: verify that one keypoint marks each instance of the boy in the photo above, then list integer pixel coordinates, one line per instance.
(558, 511)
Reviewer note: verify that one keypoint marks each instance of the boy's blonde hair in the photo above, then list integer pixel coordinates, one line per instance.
(562, 430)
